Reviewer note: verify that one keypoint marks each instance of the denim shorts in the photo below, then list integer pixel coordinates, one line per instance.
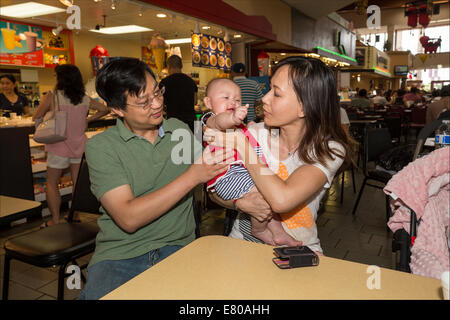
(105, 276)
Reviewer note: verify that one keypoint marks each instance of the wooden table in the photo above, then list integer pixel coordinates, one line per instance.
(16, 208)
(222, 268)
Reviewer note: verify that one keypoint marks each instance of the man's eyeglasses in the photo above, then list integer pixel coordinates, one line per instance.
(149, 101)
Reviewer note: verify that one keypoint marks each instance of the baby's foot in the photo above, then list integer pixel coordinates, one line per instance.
(264, 235)
(283, 239)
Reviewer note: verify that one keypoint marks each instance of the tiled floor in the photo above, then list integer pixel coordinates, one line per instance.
(362, 238)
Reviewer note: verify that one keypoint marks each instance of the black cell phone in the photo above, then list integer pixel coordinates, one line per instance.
(295, 257)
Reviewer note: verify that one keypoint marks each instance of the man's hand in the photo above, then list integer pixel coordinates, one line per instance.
(211, 164)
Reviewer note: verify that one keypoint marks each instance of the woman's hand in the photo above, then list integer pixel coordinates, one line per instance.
(255, 205)
(211, 164)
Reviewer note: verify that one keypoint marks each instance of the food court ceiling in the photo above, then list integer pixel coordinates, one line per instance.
(175, 25)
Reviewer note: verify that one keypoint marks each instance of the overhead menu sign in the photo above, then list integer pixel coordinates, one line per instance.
(210, 52)
(21, 45)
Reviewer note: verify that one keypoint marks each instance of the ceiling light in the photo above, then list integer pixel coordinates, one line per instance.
(122, 29)
(237, 36)
(141, 12)
(161, 15)
(282, 54)
(178, 41)
(57, 30)
(68, 3)
(206, 27)
(29, 9)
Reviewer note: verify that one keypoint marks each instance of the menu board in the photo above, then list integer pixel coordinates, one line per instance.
(21, 45)
(210, 52)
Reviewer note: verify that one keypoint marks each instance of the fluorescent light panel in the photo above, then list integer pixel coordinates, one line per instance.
(28, 9)
(178, 41)
(122, 29)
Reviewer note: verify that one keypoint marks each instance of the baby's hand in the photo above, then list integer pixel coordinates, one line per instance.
(239, 114)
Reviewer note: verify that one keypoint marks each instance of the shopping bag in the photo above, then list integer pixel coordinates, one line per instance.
(53, 127)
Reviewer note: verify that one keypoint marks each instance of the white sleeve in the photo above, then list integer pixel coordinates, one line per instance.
(344, 117)
(332, 165)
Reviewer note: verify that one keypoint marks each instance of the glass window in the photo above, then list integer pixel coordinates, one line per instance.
(409, 39)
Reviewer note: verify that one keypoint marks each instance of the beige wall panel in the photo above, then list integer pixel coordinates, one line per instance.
(278, 14)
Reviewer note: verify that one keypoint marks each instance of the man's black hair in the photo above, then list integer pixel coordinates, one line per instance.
(120, 78)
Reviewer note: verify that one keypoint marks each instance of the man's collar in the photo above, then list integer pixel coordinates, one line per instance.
(126, 134)
(240, 77)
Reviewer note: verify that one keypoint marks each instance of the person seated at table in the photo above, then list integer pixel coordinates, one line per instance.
(379, 99)
(412, 97)
(145, 194)
(303, 143)
(223, 98)
(361, 101)
(397, 97)
(436, 108)
(10, 98)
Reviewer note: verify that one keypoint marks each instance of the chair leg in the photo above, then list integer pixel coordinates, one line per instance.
(353, 179)
(6, 268)
(61, 276)
(388, 212)
(359, 196)
(342, 187)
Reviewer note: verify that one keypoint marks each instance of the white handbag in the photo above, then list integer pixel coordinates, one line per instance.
(53, 127)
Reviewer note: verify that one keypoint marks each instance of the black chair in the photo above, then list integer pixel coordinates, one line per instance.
(376, 141)
(393, 122)
(402, 243)
(60, 244)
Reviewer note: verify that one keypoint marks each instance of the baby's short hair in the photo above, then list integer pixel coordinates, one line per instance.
(215, 80)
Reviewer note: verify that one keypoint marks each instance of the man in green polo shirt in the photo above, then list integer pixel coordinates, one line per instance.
(144, 189)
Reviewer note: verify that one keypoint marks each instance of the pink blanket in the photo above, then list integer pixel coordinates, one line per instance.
(424, 186)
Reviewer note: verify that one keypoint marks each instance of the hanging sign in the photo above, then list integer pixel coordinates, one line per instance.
(21, 45)
(210, 52)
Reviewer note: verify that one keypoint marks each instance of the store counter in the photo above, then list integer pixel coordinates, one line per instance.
(222, 268)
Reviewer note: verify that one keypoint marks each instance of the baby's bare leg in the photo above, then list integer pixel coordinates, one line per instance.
(280, 237)
(260, 231)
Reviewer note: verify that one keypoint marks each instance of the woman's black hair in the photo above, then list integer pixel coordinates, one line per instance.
(11, 78)
(120, 78)
(69, 80)
(315, 86)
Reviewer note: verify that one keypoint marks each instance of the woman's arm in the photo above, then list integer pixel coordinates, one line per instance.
(102, 110)
(44, 106)
(281, 195)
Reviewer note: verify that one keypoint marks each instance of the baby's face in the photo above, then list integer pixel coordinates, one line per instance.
(224, 96)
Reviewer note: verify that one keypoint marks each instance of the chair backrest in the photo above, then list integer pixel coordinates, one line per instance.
(418, 115)
(394, 124)
(83, 199)
(377, 141)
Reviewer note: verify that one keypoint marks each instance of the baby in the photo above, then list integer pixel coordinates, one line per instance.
(223, 97)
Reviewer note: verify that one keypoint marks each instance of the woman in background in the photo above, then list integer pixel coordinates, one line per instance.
(69, 95)
(10, 98)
